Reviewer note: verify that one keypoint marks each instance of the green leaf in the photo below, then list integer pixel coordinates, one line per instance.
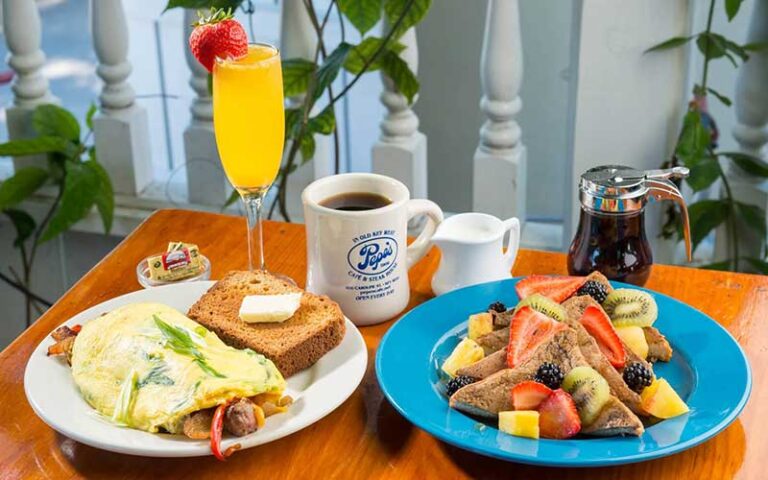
(720, 266)
(203, 4)
(363, 14)
(23, 223)
(755, 46)
(89, 116)
(760, 265)
(753, 216)
(324, 122)
(401, 75)
(749, 163)
(732, 8)
(307, 147)
(416, 13)
(704, 173)
(673, 42)
(723, 99)
(297, 73)
(105, 196)
(694, 139)
(233, 197)
(711, 45)
(328, 71)
(81, 185)
(365, 51)
(209, 83)
(21, 185)
(292, 122)
(52, 120)
(705, 216)
(736, 49)
(34, 146)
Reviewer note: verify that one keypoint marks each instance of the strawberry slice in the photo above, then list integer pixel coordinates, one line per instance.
(558, 417)
(597, 324)
(218, 35)
(554, 287)
(528, 329)
(528, 395)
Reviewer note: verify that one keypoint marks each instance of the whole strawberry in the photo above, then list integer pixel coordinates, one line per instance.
(218, 35)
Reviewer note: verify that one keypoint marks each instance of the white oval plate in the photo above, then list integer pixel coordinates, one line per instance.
(56, 399)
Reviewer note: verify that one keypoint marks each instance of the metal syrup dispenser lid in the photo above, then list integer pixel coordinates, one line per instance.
(616, 189)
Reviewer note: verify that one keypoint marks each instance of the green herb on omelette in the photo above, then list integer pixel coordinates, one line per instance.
(156, 376)
(178, 340)
(125, 400)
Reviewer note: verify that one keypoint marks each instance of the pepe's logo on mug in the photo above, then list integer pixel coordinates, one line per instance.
(373, 256)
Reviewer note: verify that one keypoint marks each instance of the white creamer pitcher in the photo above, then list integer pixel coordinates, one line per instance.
(472, 250)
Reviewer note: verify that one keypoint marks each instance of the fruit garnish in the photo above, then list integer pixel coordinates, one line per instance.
(589, 390)
(544, 305)
(550, 375)
(558, 417)
(637, 376)
(479, 324)
(634, 338)
(557, 288)
(594, 289)
(458, 382)
(628, 307)
(661, 400)
(217, 35)
(465, 354)
(520, 423)
(528, 395)
(597, 323)
(497, 307)
(527, 330)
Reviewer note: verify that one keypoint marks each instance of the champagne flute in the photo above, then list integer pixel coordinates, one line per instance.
(248, 118)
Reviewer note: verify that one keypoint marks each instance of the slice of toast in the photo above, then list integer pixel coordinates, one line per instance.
(574, 308)
(658, 346)
(293, 345)
(487, 397)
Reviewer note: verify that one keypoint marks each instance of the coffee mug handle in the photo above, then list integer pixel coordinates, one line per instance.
(512, 226)
(419, 247)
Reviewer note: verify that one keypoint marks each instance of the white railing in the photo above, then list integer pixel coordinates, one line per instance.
(121, 125)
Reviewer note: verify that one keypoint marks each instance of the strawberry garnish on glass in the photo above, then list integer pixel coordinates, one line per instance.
(217, 35)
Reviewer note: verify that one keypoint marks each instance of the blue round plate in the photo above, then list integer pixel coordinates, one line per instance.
(705, 355)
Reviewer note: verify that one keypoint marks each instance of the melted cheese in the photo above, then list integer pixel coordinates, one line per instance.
(146, 366)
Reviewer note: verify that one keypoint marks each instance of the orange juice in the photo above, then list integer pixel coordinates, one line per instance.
(248, 117)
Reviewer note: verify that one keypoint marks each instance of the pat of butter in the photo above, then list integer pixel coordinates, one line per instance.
(269, 308)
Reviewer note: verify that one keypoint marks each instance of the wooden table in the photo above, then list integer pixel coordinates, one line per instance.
(365, 437)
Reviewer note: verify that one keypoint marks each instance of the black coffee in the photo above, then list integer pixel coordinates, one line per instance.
(356, 201)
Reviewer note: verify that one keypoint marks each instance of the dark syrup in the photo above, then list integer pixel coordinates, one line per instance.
(356, 201)
(615, 245)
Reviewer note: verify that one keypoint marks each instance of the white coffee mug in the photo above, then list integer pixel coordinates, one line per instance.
(361, 258)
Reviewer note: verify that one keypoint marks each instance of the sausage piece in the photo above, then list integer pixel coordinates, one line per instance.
(239, 419)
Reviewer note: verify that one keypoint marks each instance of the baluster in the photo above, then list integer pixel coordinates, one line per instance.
(206, 182)
(500, 158)
(21, 25)
(750, 132)
(121, 128)
(299, 40)
(401, 151)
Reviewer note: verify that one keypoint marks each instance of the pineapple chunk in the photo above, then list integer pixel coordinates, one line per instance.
(634, 337)
(660, 400)
(521, 423)
(466, 353)
(480, 324)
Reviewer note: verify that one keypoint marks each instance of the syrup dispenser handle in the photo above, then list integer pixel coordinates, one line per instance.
(674, 172)
(661, 189)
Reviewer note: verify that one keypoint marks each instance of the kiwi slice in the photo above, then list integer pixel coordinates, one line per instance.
(589, 390)
(630, 307)
(544, 305)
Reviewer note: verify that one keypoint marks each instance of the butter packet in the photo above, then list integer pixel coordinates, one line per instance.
(181, 260)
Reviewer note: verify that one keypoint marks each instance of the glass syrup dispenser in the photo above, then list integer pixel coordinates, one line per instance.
(611, 234)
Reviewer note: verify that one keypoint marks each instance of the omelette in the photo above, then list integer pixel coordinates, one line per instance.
(149, 367)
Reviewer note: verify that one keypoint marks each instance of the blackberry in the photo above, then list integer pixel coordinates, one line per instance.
(550, 375)
(497, 307)
(595, 290)
(637, 376)
(456, 383)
